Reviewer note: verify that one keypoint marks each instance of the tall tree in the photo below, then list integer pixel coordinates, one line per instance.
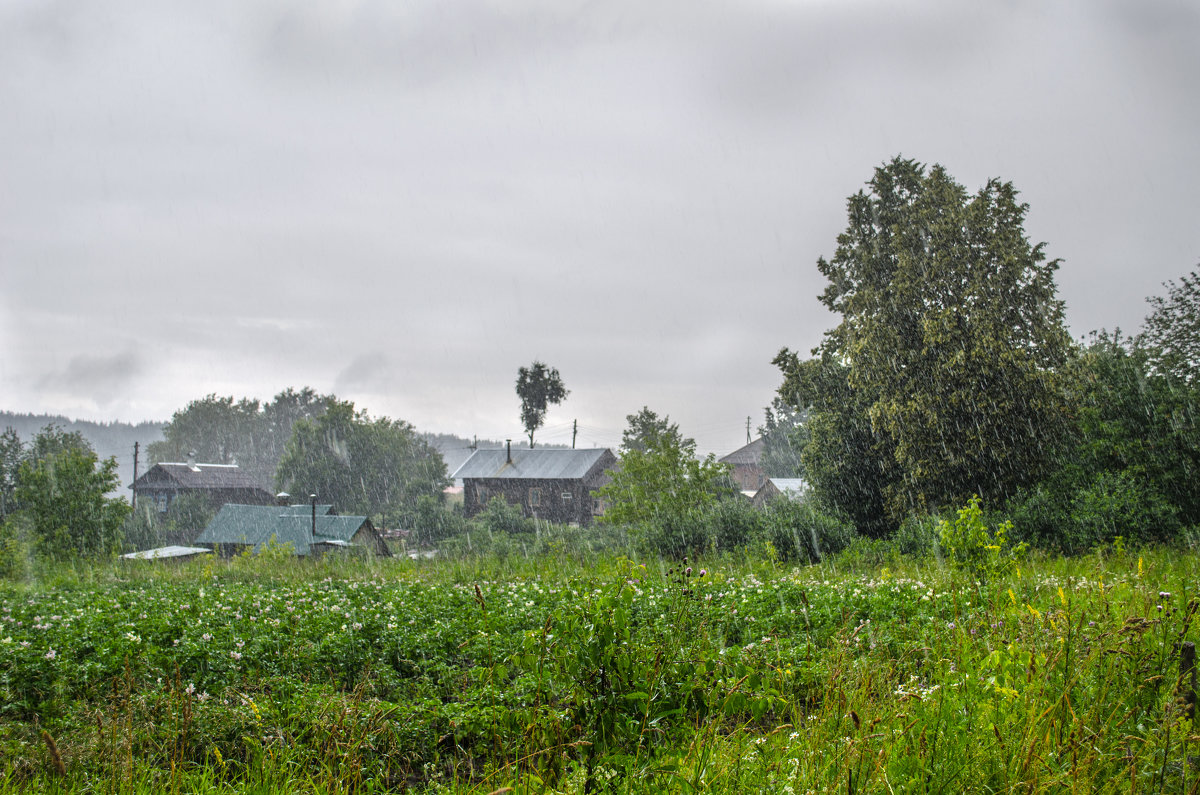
(222, 430)
(12, 452)
(785, 434)
(951, 331)
(538, 387)
(1171, 333)
(380, 468)
(64, 493)
(663, 481)
(646, 429)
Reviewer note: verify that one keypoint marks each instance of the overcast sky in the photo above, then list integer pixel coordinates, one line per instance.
(404, 202)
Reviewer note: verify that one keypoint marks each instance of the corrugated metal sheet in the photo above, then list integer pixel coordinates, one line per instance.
(538, 463)
(198, 476)
(256, 525)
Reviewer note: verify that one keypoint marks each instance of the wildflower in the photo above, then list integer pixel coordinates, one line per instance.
(129, 636)
(237, 655)
(950, 625)
(1164, 594)
(703, 572)
(190, 689)
(206, 637)
(50, 655)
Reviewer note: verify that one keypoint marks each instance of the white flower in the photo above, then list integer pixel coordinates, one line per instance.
(50, 655)
(129, 636)
(237, 655)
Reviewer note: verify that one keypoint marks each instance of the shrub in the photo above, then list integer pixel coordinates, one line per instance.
(800, 531)
(500, 517)
(676, 535)
(735, 523)
(1118, 505)
(971, 548)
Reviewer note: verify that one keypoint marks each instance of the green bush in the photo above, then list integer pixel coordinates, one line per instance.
(801, 532)
(735, 524)
(677, 535)
(1116, 504)
(14, 550)
(917, 536)
(500, 517)
(970, 547)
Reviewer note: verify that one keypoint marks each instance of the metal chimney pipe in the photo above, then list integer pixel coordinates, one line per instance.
(313, 497)
(508, 446)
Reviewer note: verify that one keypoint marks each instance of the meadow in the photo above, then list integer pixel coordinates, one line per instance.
(588, 672)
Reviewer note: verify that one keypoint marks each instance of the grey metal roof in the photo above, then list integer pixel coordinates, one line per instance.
(538, 463)
(197, 476)
(746, 454)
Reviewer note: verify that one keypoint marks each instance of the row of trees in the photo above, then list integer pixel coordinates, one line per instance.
(951, 373)
(304, 443)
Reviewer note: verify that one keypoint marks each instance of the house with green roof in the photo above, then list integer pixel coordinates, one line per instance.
(308, 530)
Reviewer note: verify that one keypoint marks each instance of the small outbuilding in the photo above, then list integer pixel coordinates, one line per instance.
(746, 466)
(794, 489)
(307, 530)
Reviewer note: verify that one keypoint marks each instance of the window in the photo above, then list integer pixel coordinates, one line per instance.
(481, 495)
(535, 498)
(566, 496)
(162, 503)
(597, 507)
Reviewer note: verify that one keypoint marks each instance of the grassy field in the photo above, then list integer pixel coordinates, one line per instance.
(559, 674)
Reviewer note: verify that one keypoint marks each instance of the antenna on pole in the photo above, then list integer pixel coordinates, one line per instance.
(747, 430)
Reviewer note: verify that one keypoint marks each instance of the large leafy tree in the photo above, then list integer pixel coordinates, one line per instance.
(12, 452)
(538, 387)
(63, 490)
(646, 429)
(1171, 333)
(951, 334)
(377, 467)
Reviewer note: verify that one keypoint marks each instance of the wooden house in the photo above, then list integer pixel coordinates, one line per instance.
(555, 485)
(746, 463)
(794, 489)
(217, 483)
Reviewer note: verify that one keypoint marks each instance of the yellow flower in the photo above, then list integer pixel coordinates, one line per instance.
(1062, 597)
(1012, 596)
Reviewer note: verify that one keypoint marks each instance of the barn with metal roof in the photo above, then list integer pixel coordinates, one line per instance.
(255, 527)
(551, 484)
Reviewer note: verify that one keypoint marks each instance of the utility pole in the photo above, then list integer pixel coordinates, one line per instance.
(747, 430)
(574, 431)
(133, 501)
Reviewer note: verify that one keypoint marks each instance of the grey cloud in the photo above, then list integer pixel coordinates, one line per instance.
(103, 379)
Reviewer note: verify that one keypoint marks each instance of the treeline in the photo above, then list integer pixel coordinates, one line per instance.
(305, 443)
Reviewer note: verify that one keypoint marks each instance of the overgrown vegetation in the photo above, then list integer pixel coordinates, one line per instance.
(569, 670)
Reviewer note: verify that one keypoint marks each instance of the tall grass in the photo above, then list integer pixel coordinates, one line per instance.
(579, 671)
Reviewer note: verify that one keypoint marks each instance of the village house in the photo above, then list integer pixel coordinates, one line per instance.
(555, 485)
(308, 530)
(217, 483)
(746, 463)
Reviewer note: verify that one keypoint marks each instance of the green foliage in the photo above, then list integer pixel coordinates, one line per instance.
(664, 481)
(501, 517)
(63, 497)
(951, 334)
(14, 549)
(222, 430)
(538, 387)
(846, 462)
(1171, 332)
(970, 547)
(377, 467)
(646, 429)
(800, 532)
(433, 521)
(1130, 463)
(736, 524)
(12, 452)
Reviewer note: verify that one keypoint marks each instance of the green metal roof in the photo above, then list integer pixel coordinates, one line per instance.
(256, 525)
